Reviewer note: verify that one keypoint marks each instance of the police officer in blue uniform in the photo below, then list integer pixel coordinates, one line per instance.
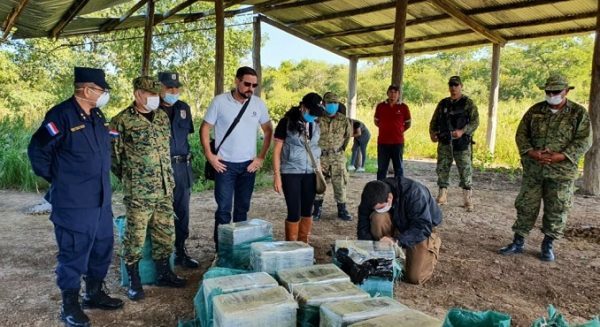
(181, 126)
(71, 150)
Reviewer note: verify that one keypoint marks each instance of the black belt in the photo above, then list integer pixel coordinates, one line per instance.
(180, 159)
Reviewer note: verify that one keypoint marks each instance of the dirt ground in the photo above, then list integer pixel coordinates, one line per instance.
(470, 274)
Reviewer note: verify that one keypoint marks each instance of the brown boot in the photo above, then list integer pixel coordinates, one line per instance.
(291, 230)
(442, 197)
(305, 229)
(468, 195)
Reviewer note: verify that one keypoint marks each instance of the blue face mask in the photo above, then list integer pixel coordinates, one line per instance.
(332, 108)
(308, 117)
(171, 98)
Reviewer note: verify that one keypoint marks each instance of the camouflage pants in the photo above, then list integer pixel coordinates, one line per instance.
(152, 216)
(445, 157)
(557, 197)
(334, 168)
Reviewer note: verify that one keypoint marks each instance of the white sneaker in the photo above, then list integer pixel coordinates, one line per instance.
(351, 168)
(361, 170)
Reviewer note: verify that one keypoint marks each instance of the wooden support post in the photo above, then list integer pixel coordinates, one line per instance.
(352, 77)
(256, 41)
(493, 103)
(591, 165)
(219, 47)
(399, 33)
(148, 38)
(12, 18)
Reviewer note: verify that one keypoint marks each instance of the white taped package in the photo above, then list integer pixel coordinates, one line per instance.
(339, 314)
(255, 308)
(245, 231)
(361, 251)
(271, 257)
(317, 294)
(236, 283)
(408, 318)
(316, 274)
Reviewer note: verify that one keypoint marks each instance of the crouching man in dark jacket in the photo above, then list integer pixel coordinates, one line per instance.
(402, 211)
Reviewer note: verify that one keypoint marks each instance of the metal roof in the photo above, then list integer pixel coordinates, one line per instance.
(349, 28)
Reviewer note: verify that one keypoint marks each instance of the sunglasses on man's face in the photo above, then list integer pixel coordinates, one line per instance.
(248, 84)
(553, 92)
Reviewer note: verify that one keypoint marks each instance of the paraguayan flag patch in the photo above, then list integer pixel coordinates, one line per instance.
(52, 129)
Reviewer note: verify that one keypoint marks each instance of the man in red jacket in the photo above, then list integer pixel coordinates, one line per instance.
(392, 117)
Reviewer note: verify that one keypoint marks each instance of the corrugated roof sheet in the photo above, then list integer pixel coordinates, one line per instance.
(355, 28)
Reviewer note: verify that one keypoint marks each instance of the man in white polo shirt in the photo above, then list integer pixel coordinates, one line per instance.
(236, 162)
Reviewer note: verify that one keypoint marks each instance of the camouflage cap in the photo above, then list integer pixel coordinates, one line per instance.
(455, 80)
(146, 83)
(556, 82)
(330, 97)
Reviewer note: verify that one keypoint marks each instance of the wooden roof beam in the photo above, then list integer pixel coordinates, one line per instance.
(429, 19)
(348, 13)
(173, 11)
(448, 7)
(12, 17)
(291, 31)
(71, 13)
(289, 5)
(113, 24)
(528, 23)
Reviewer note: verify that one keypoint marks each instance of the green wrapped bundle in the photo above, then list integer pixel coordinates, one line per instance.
(407, 318)
(255, 308)
(316, 274)
(340, 314)
(234, 241)
(271, 257)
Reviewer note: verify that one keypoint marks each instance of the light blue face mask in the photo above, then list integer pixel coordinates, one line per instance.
(171, 98)
(332, 108)
(308, 117)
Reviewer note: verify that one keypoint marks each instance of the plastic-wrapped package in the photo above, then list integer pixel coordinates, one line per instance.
(235, 239)
(146, 265)
(316, 274)
(212, 287)
(407, 318)
(311, 296)
(271, 257)
(370, 264)
(255, 308)
(339, 314)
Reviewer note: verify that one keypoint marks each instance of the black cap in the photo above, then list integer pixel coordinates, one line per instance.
(169, 79)
(393, 87)
(91, 75)
(314, 103)
(455, 80)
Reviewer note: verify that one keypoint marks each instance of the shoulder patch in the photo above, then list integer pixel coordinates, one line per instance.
(52, 129)
(114, 133)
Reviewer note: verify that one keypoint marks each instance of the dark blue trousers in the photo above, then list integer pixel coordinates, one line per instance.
(233, 190)
(385, 152)
(182, 174)
(86, 247)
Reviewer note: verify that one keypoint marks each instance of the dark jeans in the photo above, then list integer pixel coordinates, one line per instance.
(181, 202)
(233, 190)
(299, 192)
(360, 144)
(385, 152)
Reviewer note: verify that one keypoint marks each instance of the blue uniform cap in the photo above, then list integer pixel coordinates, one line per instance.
(169, 79)
(91, 75)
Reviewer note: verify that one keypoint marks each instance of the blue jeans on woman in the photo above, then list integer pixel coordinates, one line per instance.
(233, 190)
(360, 144)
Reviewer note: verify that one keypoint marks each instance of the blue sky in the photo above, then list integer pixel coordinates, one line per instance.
(279, 46)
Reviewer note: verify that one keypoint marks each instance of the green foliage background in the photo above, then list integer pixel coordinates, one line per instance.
(37, 74)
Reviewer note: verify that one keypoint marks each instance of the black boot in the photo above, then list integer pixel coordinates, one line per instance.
(135, 291)
(166, 277)
(70, 311)
(183, 259)
(515, 247)
(547, 251)
(317, 210)
(95, 296)
(343, 214)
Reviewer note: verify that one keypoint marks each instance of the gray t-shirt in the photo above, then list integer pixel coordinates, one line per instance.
(240, 145)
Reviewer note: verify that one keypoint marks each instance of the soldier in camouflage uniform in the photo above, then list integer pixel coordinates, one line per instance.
(454, 121)
(142, 162)
(336, 130)
(551, 138)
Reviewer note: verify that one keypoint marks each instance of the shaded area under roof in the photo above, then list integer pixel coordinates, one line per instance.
(346, 27)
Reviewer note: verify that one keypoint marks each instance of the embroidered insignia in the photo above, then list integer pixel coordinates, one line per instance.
(182, 113)
(76, 128)
(113, 133)
(52, 129)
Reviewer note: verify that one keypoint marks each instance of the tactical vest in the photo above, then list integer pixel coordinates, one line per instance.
(452, 116)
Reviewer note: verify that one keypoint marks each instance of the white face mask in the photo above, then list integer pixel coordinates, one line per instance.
(152, 103)
(102, 100)
(554, 100)
(384, 209)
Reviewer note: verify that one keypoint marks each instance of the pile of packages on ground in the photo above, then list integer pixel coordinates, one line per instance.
(261, 282)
